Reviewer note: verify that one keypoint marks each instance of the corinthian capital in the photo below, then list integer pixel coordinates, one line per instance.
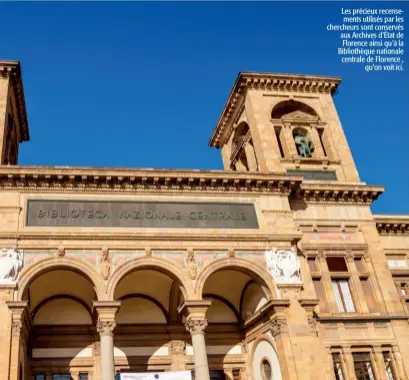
(196, 326)
(106, 327)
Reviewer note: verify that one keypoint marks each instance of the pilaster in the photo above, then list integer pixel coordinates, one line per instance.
(349, 363)
(20, 330)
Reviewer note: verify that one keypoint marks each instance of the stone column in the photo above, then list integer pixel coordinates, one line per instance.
(333, 306)
(289, 141)
(349, 363)
(356, 288)
(397, 358)
(318, 151)
(194, 313)
(75, 375)
(379, 363)
(376, 288)
(228, 374)
(106, 324)
(20, 326)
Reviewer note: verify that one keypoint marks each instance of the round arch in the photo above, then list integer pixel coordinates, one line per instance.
(283, 107)
(167, 267)
(242, 265)
(62, 296)
(28, 275)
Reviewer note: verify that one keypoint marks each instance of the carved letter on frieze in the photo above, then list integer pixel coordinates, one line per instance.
(284, 266)
(11, 263)
(177, 347)
(196, 326)
(106, 327)
(278, 326)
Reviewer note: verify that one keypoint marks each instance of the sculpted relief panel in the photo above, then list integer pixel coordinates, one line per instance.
(283, 265)
(11, 263)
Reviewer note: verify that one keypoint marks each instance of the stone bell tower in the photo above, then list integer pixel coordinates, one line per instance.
(284, 123)
(13, 117)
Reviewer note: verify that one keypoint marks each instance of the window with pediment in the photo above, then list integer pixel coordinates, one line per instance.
(299, 132)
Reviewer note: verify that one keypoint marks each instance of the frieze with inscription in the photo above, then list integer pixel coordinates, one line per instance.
(70, 213)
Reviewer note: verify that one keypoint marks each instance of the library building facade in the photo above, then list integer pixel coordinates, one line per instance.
(273, 268)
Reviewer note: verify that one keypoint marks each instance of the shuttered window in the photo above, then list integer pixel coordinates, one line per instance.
(343, 295)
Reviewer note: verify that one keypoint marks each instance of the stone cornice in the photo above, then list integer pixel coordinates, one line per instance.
(56, 179)
(12, 69)
(333, 247)
(138, 236)
(363, 318)
(266, 81)
(392, 224)
(87, 179)
(338, 193)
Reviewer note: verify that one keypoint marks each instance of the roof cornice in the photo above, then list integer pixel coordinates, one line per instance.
(338, 193)
(12, 70)
(113, 180)
(392, 224)
(42, 178)
(267, 81)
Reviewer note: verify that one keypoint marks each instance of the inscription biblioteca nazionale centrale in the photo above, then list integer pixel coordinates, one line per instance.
(140, 214)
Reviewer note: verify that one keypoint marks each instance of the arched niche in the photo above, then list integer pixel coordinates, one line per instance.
(289, 106)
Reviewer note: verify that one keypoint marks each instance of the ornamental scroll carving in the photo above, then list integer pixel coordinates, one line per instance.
(196, 326)
(284, 266)
(177, 347)
(106, 327)
(278, 326)
(11, 263)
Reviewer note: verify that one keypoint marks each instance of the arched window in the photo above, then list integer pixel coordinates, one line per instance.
(266, 370)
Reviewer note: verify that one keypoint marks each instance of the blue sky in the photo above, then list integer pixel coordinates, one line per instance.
(137, 84)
